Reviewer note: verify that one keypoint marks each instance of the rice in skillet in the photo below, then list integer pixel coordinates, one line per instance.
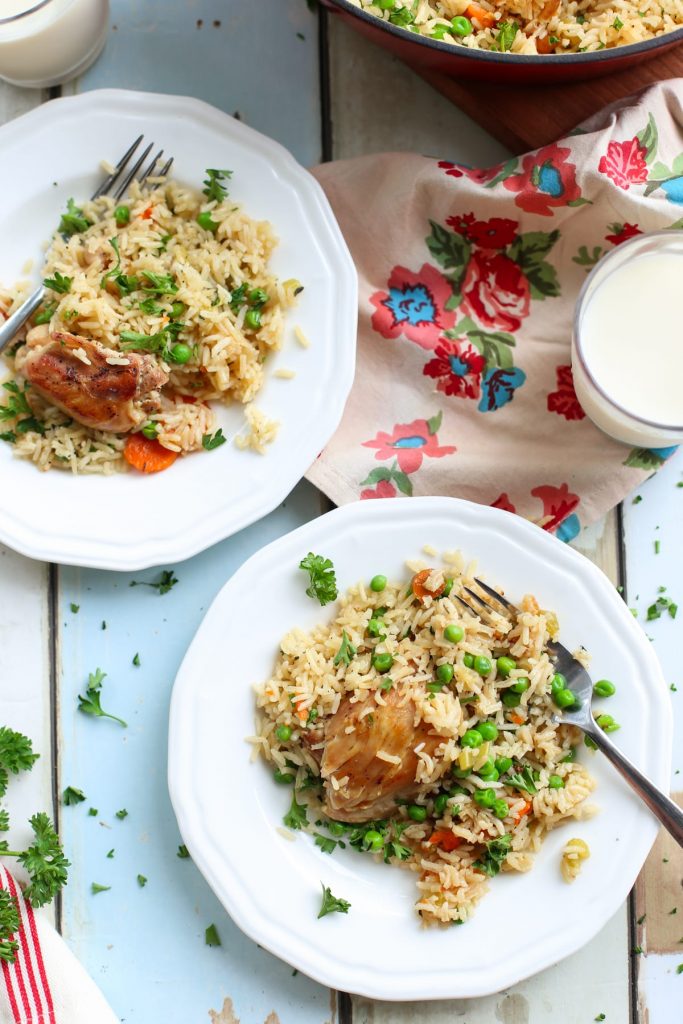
(177, 278)
(415, 731)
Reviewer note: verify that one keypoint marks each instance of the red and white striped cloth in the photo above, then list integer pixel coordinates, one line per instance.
(46, 984)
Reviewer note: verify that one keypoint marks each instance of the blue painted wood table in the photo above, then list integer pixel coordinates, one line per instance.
(324, 93)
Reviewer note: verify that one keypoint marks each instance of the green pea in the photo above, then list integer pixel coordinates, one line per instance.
(603, 688)
(385, 5)
(372, 840)
(472, 738)
(461, 773)
(378, 583)
(283, 733)
(253, 319)
(485, 797)
(510, 699)
(177, 309)
(488, 730)
(556, 782)
(336, 828)
(205, 221)
(257, 297)
(439, 31)
(444, 673)
(453, 633)
(284, 778)
(607, 723)
(482, 665)
(503, 764)
(461, 26)
(564, 698)
(122, 216)
(559, 682)
(382, 662)
(569, 756)
(375, 627)
(440, 803)
(447, 589)
(489, 772)
(520, 685)
(505, 666)
(180, 353)
(500, 809)
(417, 813)
(468, 661)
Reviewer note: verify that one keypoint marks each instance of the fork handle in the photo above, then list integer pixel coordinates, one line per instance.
(16, 321)
(669, 813)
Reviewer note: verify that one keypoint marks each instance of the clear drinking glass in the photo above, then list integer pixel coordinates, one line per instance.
(599, 383)
(47, 42)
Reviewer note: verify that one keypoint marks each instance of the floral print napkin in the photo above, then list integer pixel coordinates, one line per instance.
(468, 280)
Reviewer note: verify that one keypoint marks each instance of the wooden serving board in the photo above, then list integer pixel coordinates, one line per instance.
(525, 117)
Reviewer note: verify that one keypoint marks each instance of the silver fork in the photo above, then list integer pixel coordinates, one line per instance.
(580, 713)
(117, 184)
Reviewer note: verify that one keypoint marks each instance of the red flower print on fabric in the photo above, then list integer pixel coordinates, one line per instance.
(502, 501)
(625, 163)
(564, 400)
(384, 489)
(414, 306)
(622, 232)
(409, 443)
(495, 233)
(495, 290)
(547, 180)
(480, 175)
(457, 367)
(558, 504)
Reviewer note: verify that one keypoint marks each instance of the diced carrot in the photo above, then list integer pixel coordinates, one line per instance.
(517, 719)
(188, 399)
(445, 839)
(301, 711)
(525, 810)
(543, 45)
(147, 214)
(147, 455)
(480, 14)
(418, 585)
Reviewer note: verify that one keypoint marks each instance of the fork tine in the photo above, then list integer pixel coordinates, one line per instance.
(166, 168)
(495, 595)
(467, 607)
(479, 600)
(111, 178)
(123, 187)
(150, 170)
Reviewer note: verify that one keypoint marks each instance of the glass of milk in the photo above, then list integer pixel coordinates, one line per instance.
(47, 42)
(627, 348)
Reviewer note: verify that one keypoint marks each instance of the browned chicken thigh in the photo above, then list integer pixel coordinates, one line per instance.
(374, 784)
(98, 393)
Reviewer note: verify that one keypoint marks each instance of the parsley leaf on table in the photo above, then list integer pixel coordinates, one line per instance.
(331, 904)
(96, 887)
(90, 704)
(166, 582)
(73, 796)
(322, 576)
(183, 852)
(123, 813)
(211, 936)
(142, 881)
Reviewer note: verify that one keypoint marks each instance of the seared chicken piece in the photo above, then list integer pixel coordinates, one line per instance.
(374, 784)
(76, 375)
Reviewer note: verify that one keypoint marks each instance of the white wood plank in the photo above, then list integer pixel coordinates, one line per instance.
(379, 105)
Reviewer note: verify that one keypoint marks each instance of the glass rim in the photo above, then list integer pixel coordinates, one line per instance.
(632, 243)
(13, 18)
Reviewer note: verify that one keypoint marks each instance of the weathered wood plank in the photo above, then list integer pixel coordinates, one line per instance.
(659, 893)
(378, 104)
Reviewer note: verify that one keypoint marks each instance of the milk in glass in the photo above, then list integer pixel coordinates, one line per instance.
(46, 42)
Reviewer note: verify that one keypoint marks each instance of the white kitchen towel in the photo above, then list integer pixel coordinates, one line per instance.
(45, 984)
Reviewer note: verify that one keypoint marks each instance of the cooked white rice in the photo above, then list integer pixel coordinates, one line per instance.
(543, 26)
(448, 851)
(208, 268)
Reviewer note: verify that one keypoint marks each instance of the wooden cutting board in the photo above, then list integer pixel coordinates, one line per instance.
(525, 117)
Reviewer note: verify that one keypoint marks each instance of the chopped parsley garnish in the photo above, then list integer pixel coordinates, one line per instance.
(96, 887)
(211, 936)
(496, 852)
(507, 30)
(600, 1017)
(331, 905)
(73, 221)
(44, 315)
(326, 844)
(113, 271)
(346, 652)
(521, 780)
(73, 796)
(74, 607)
(658, 547)
(123, 813)
(183, 852)
(617, 24)
(17, 403)
(323, 578)
(211, 441)
(90, 704)
(59, 283)
(166, 582)
(296, 817)
(662, 604)
(9, 436)
(386, 684)
(151, 430)
(136, 661)
(142, 881)
(150, 307)
(214, 189)
(641, 918)
(239, 297)
(637, 500)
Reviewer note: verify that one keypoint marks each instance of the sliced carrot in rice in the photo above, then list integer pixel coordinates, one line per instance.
(524, 811)
(480, 14)
(445, 840)
(418, 585)
(517, 719)
(147, 214)
(146, 455)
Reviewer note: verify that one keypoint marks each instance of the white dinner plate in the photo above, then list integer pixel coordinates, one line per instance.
(229, 809)
(129, 521)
